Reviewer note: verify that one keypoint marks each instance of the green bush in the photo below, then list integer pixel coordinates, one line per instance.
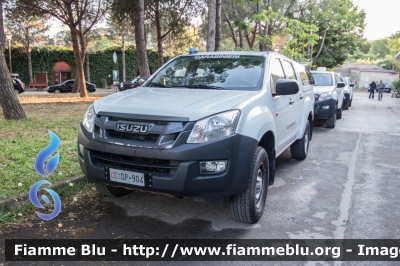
(396, 84)
(101, 63)
(103, 83)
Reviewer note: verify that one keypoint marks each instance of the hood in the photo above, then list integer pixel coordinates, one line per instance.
(176, 102)
(321, 89)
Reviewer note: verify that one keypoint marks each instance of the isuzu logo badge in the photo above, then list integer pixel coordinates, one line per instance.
(123, 127)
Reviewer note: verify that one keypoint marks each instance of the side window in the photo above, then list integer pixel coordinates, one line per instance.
(304, 77)
(288, 68)
(276, 73)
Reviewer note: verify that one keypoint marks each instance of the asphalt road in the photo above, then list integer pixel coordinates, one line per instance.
(347, 188)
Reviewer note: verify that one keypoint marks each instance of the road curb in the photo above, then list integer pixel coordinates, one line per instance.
(14, 202)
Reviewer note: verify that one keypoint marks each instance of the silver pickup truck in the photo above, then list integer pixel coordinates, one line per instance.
(206, 125)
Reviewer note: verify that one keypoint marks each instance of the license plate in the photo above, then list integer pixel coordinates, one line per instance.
(126, 177)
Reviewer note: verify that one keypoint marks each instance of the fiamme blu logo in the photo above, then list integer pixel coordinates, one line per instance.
(50, 166)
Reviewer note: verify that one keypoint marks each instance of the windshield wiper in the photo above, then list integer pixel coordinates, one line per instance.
(156, 84)
(202, 86)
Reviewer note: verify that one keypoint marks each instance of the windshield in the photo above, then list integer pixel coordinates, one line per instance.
(322, 79)
(232, 72)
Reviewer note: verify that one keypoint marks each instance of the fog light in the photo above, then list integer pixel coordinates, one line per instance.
(81, 149)
(325, 107)
(213, 167)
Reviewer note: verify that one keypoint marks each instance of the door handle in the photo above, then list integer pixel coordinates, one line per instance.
(291, 101)
(301, 96)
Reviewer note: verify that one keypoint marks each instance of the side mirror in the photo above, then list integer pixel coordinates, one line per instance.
(287, 87)
(341, 85)
(351, 85)
(142, 80)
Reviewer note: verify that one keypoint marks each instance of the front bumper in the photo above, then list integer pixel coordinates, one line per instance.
(324, 109)
(172, 170)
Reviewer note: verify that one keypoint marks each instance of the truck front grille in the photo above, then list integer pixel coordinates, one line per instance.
(130, 136)
(146, 165)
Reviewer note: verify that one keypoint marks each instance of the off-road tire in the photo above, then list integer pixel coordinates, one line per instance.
(346, 105)
(299, 149)
(110, 191)
(339, 112)
(331, 122)
(248, 206)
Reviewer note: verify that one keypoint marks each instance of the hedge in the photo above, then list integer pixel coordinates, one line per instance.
(101, 63)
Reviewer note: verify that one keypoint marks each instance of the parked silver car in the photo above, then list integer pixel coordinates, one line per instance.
(348, 93)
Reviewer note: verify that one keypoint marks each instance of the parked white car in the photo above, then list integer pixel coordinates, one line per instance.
(208, 125)
(348, 93)
(329, 94)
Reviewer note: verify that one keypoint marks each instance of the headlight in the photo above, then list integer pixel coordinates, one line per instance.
(214, 127)
(324, 96)
(88, 119)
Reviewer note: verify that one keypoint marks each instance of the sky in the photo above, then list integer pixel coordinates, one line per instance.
(383, 17)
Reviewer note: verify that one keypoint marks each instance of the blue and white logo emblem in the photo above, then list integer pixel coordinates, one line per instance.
(39, 167)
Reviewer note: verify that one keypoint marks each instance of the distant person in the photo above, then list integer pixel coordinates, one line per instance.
(372, 88)
(380, 90)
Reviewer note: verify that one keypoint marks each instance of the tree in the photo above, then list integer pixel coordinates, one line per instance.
(189, 38)
(80, 16)
(256, 20)
(380, 48)
(121, 28)
(212, 7)
(218, 4)
(341, 27)
(140, 39)
(135, 11)
(170, 17)
(12, 109)
(28, 30)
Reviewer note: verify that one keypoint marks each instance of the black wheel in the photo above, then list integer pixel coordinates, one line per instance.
(111, 191)
(346, 105)
(299, 149)
(248, 206)
(350, 102)
(331, 122)
(57, 91)
(339, 112)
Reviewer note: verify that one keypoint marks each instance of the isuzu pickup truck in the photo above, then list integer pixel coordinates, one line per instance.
(206, 125)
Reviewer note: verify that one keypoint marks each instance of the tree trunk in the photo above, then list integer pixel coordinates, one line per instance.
(28, 52)
(30, 66)
(322, 43)
(159, 37)
(261, 45)
(218, 25)
(123, 59)
(233, 34)
(87, 67)
(79, 84)
(12, 109)
(211, 26)
(140, 40)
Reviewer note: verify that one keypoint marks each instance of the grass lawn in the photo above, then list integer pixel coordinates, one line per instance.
(21, 141)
